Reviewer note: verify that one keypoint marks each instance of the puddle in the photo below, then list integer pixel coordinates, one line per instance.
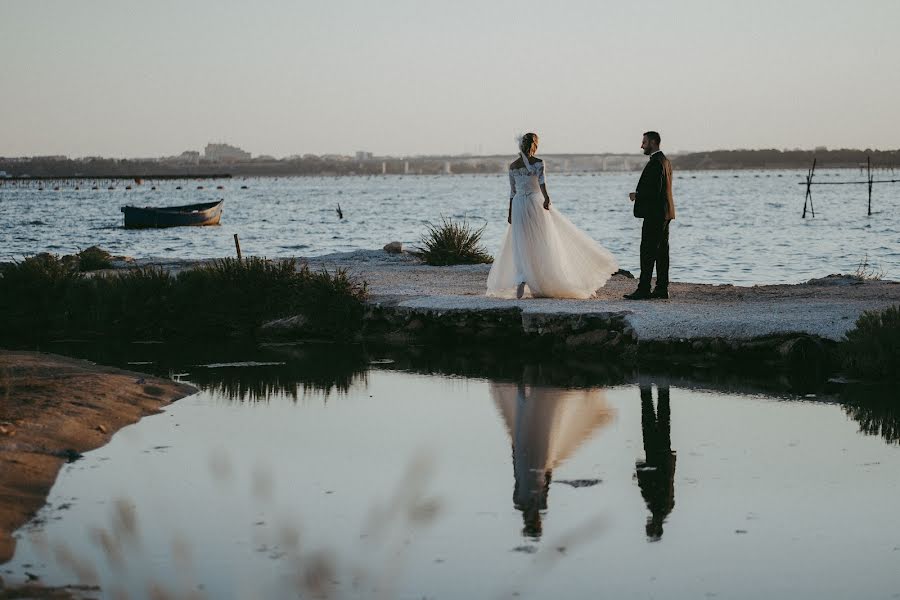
(418, 479)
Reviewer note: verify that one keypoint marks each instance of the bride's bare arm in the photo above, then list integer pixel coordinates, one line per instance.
(546, 196)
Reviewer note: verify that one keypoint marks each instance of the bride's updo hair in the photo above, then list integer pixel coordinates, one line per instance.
(529, 144)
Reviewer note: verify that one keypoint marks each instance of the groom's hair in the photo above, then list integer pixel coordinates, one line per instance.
(653, 136)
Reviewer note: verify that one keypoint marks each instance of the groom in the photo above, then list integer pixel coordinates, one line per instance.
(654, 204)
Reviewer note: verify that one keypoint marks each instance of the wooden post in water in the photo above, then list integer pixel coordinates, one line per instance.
(237, 246)
(869, 171)
(809, 177)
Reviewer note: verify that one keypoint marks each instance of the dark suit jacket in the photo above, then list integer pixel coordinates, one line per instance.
(654, 190)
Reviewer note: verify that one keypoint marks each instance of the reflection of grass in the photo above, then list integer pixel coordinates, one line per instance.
(289, 370)
(876, 410)
(45, 295)
(877, 419)
(303, 368)
(304, 371)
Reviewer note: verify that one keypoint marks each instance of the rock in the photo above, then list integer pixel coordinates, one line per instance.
(623, 273)
(393, 247)
(614, 340)
(284, 328)
(803, 354)
(836, 279)
(589, 338)
(121, 262)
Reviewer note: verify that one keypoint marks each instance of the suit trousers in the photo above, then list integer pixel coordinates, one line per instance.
(654, 251)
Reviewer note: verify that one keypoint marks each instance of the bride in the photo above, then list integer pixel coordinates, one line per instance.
(542, 250)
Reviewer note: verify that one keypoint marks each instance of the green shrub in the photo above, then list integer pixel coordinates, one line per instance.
(453, 244)
(873, 346)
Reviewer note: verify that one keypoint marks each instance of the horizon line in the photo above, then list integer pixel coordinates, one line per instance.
(373, 156)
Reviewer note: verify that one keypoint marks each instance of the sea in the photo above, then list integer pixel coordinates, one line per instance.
(732, 227)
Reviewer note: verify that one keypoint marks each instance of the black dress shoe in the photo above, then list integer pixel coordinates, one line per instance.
(660, 294)
(637, 295)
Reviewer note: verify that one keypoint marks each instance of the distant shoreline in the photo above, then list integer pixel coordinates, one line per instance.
(60, 167)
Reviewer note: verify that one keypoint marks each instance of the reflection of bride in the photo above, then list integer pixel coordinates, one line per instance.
(546, 425)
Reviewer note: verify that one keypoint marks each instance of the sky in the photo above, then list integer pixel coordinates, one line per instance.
(405, 77)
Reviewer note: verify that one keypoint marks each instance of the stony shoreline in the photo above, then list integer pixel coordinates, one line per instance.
(791, 326)
(787, 325)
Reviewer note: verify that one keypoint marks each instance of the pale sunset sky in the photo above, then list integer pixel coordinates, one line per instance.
(403, 77)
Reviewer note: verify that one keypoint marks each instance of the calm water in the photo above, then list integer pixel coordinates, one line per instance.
(418, 477)
(732, 227)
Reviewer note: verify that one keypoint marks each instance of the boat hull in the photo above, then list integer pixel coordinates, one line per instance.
(191, 215)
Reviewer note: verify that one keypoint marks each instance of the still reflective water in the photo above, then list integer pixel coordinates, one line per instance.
(741, 227)
(416, 476)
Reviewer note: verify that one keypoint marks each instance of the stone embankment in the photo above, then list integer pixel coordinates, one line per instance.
(796, 327)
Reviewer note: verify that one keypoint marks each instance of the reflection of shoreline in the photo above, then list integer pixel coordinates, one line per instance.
(656, 473)
(875, 409)
(239, 372)
(546, 425)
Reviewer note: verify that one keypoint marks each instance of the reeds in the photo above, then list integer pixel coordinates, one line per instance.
(453, 243)
(866, 272)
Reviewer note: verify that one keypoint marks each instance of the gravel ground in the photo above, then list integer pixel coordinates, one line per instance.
(826, 307)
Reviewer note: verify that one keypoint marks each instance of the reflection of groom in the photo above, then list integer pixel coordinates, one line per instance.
(654, 204)
(656, 473)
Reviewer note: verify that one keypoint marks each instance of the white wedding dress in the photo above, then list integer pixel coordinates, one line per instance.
(543, 249)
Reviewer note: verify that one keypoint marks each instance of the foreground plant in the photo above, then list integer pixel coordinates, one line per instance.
(454, 243)
(873, 346)
(44, 296)
(866, 272)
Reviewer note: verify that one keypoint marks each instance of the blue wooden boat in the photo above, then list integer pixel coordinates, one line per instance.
(206, 213)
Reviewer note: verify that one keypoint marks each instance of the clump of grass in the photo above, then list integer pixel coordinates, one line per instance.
(453, 243)
(93, 259)
(873, 346)
(866, 272)
(31, 293)
(45, 295)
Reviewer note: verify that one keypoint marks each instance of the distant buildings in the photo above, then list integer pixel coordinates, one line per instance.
(363, 155)
(224, 153)
(188, 157)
